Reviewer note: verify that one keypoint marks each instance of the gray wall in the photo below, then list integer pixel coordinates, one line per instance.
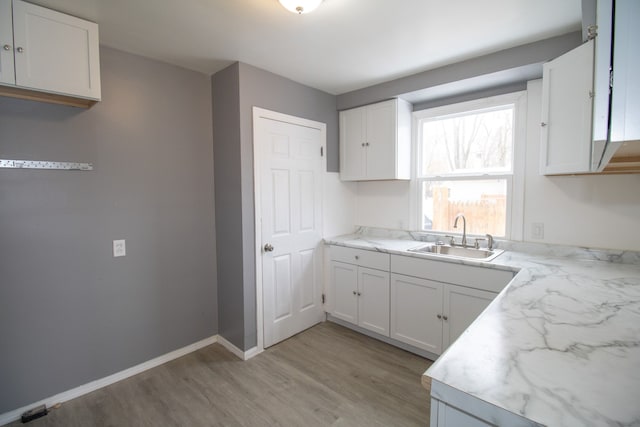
(228, 194)
(70, 313)
(263, 89)
(506, 67)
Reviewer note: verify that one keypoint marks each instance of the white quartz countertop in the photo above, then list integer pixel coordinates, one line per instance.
(560, 345)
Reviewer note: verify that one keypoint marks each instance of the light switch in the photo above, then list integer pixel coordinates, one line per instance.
(119, 248)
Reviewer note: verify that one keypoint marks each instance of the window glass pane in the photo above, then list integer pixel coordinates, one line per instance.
(469, 143)
(483, 203)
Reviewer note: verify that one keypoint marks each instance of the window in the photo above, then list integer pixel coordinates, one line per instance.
(466, 164)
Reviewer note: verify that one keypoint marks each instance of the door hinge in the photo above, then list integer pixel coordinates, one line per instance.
(321, 151)
(323, 298)
(610, 79)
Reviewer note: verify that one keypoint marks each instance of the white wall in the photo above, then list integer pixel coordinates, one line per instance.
(383, 204)
(600, 211)
(339, 205)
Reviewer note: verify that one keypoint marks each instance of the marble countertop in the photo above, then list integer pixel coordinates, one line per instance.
(560, 345)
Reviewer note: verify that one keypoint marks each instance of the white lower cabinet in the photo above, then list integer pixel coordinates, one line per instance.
(373, 300)
(344, 282)
(415, 307)
(461, 307)
(431, 315)
(359, 288)
(434, 302)
(361, 296)
(448, 416)
(425, 303)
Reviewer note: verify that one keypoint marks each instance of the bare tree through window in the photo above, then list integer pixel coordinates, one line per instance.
(460, 154)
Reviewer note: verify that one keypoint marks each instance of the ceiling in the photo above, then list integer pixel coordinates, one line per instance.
(343, 46)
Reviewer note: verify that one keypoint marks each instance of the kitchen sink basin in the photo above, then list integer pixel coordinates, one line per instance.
(458, 252)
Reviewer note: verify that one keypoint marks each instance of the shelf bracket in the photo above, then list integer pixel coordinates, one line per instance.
(43, 164)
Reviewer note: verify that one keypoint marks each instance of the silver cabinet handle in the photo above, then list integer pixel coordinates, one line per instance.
(543, 124)
(359, 294)
(355, 293)
(439, 316)
(20, 50)
(367, 144)
(6, 47)
(357, 257)
(268, 248)
(363, 144)
(445, 317)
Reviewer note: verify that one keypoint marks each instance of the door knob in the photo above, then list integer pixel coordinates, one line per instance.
(20, 50)
(268, 248)
(6, 47)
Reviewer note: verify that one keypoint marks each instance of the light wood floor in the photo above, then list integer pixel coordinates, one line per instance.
(325, 376)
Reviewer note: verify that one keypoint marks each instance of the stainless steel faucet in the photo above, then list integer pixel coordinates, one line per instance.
(464, 227)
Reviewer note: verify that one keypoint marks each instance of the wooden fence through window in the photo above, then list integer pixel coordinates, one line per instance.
(486, 215)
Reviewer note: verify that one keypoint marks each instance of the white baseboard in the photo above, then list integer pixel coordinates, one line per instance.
(14, 415)
(244, 355)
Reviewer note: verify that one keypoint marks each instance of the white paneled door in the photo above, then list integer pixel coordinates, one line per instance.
(290, 167)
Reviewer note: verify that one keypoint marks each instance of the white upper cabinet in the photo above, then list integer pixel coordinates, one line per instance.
(625, 104)
(375, 142)
(353, 131)
(7, 74)
(591, 98)
(567, 88)
(52, 52)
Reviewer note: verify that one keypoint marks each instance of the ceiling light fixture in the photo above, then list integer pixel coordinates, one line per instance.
(300, 6)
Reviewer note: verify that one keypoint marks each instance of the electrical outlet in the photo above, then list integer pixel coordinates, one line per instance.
(537, 230)
(119, 248)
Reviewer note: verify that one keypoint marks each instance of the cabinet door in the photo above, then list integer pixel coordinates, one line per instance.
(448, 416)
(6, 43)
(415, 307)
(461, 307)
(567, 87)
(625, 103)
(343, 291)
(381, 140)
(55, 52)
(352, 148)
(601, 79)
(373, 300)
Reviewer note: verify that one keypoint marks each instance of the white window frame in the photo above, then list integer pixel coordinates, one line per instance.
(515, 182)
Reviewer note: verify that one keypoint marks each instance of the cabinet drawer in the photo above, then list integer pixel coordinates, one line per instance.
(474, 277)
(370, 259)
